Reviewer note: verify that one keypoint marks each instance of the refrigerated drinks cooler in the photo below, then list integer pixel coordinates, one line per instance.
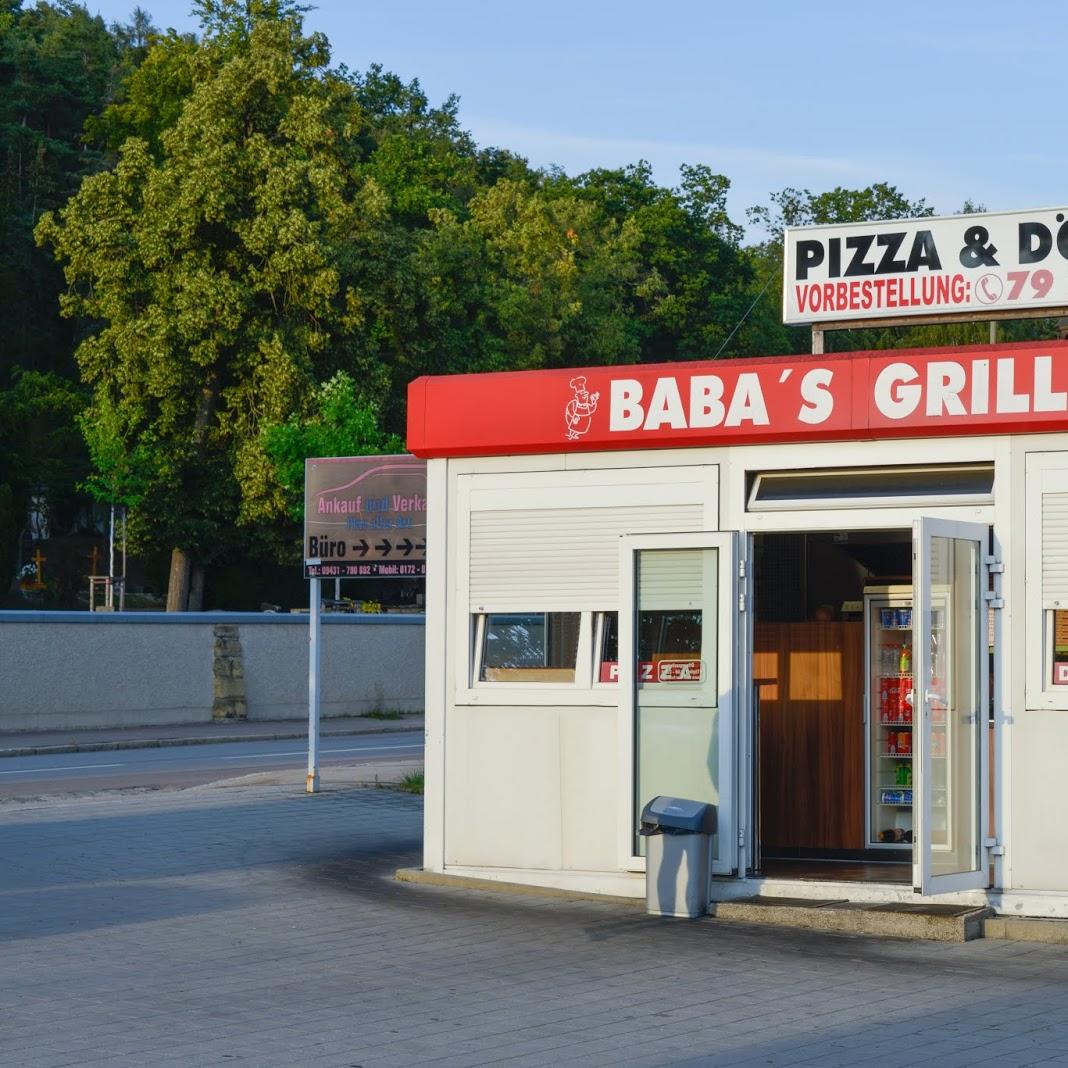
(888, 652)
(890, 734)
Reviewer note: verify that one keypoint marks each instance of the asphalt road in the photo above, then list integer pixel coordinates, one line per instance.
(189, 765)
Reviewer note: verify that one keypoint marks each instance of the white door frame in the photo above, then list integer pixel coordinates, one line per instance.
(924, 880)
(727, 544)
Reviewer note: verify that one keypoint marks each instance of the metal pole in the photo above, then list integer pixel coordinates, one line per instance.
(993, 331)
(337, 589)
(314, 622)
(122, 592)
(111, 559)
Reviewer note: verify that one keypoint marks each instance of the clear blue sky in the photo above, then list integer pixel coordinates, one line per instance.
(945, 99)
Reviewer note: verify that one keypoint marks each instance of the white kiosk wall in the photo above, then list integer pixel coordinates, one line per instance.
(531, 756)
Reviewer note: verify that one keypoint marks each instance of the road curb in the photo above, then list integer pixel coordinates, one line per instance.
(164, 743)
(369, 773)
(423, 877)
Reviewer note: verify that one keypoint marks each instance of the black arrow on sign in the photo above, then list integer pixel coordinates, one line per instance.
(405, 547)
(421, 547)
(361, 546)
(384, 546)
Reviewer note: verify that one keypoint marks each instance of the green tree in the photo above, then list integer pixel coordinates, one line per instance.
(40, 455)
(58, 65)
(215, 270)
(800, 207)
(694, 279)
(525, 280)
(122, 470)
(152, 94)
(339, 422)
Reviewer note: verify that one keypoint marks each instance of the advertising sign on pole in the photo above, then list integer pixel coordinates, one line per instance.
(960, 265)
(365, 517)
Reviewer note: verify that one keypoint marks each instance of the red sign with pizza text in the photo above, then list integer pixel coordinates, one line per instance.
(979, 389)
(989, 263)
(657, 671)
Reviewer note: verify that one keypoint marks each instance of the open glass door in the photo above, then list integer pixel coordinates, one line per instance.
(677, 627)
(951, 704)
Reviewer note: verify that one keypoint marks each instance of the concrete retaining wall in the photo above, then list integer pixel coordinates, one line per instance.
(65, 670)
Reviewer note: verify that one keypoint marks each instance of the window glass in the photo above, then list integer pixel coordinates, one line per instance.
(1059, 626)
(676, 714)
(530, 647)
(608, 658)
(874, 483)
(663, 635)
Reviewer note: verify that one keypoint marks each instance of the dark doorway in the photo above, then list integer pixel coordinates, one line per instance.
(809, 666)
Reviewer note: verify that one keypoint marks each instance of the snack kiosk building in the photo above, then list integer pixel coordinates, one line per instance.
(828, 594)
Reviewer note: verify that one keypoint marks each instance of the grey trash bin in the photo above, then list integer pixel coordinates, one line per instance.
(678, 855)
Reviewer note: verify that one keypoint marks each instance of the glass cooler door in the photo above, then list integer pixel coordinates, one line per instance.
(890, 726)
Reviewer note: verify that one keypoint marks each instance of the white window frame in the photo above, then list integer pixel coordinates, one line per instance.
(599, 624)
(539, 483)
(753, 504)
(582, 657)
(1042, 470)
(728, 622)
(924, 880)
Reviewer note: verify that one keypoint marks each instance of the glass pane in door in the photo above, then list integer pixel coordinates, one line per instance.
(676, 704)
(953, 704)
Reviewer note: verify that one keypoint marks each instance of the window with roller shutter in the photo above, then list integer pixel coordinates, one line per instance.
(1046, 490)
(548, 542)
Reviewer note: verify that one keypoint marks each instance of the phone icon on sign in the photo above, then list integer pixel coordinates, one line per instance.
(989, 289)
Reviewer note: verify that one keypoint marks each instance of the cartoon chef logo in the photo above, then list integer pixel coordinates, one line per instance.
(578, 414)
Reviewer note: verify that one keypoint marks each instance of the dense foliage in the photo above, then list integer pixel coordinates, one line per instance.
(244, 252)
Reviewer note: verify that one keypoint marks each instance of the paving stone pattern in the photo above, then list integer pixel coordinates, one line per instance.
(262, 926)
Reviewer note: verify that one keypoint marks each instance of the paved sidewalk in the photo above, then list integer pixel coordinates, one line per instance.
(263, 926)
(28, 743)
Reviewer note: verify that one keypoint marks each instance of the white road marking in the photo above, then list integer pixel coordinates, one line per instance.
(67, 767)
(373, 749)
(248, 756)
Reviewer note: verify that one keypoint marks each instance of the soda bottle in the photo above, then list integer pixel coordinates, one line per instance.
(904, 661)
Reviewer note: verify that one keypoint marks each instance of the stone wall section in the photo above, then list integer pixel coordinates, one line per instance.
(228, 674)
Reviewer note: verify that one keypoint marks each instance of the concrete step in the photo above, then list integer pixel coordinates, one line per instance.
(1027, 929)
(939, 923)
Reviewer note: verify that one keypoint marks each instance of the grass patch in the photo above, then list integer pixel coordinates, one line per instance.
(412, 783)
(382, 713)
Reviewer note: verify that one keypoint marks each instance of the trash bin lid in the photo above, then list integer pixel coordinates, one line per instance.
(680, 815)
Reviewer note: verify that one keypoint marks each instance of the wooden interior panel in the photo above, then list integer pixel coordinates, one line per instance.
(811, 734)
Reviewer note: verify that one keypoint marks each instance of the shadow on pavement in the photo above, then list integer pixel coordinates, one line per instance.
(65, 910)
(119, 865)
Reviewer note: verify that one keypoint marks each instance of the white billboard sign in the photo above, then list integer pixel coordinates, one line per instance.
(963, 265)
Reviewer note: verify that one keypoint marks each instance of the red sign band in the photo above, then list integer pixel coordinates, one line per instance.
(981, 389)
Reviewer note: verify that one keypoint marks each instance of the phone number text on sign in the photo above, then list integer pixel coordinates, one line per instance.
(371, 569)
(926, 266)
